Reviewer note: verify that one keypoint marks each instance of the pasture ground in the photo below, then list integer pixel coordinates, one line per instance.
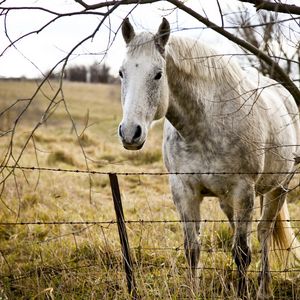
(83, 261)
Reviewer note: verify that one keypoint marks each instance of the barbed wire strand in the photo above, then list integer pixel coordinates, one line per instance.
(140, 221)
(33, 168)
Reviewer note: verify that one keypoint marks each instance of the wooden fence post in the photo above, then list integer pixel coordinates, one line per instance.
(128, 266)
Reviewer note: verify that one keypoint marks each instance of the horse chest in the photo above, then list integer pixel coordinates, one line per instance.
(204, 180)
(207, 159)
(205, 155)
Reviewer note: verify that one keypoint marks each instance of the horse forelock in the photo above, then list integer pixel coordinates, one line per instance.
(143, 44)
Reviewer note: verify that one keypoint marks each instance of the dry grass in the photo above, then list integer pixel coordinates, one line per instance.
(84, 261)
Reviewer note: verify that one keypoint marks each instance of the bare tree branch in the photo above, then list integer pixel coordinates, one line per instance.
(114, 2)
(274, 6)
(285, 79)
(221, 13)
(259, 4)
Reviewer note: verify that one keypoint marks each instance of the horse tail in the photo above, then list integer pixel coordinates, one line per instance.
(285, 242)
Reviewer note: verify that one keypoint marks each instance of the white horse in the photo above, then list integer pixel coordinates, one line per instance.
(218, 119)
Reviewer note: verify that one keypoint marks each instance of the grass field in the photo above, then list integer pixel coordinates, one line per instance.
(83, 261)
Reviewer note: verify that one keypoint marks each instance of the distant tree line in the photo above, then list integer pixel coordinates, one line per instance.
(95, 73)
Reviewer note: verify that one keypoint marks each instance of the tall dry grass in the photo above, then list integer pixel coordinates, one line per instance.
(83, 261)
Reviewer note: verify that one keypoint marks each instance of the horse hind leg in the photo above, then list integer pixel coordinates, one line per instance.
(272, 204)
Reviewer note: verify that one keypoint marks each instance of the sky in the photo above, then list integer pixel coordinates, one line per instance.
(38, 53)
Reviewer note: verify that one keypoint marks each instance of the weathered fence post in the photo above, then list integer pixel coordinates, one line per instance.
(123, 235)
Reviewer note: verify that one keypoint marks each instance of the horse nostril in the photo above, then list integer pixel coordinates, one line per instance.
(120, 131)
(138, 132)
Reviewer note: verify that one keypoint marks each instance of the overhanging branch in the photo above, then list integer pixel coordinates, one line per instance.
(113, 2)
(276, 7)
(285, 80)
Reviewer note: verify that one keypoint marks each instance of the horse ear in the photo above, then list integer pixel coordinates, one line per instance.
(163, 33)
(127, 31)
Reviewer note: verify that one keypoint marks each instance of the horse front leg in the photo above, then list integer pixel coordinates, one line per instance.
(227, 207)
(243, 199)
(187, 200)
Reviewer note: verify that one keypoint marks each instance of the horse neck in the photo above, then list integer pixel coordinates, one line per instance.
(189, 102)
(198, 97)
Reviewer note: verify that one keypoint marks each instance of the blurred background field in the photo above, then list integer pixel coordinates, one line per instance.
(83, 261)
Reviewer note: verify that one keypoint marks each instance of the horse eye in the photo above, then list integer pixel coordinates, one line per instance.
(121, 74)
(158, 76)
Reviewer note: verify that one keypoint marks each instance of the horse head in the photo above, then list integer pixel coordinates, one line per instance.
(144, 92)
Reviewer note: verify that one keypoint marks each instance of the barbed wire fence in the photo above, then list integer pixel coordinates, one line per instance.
(120, 220)
(122, 223)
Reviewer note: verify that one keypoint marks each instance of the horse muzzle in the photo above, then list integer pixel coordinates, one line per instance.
(133, 146)
(132, 137)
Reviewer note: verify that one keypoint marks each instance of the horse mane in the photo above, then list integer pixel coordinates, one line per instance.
(198, 60)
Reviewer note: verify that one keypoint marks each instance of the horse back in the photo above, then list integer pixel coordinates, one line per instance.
(278, 114)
